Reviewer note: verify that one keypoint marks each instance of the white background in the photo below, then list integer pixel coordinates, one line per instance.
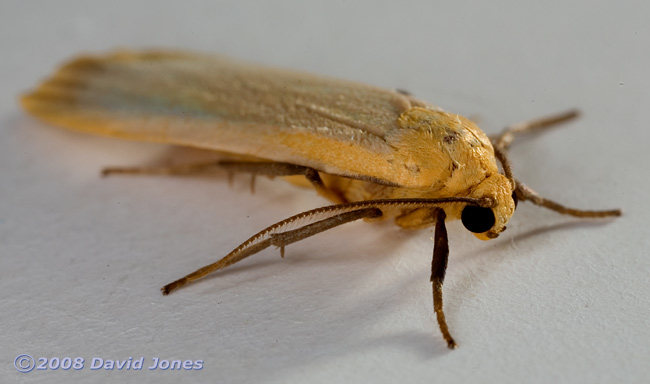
(554, 299)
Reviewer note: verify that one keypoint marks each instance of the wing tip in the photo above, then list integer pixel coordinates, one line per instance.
(63, 87)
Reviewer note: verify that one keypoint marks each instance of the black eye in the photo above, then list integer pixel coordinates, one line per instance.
(515, 198)
(477, 219)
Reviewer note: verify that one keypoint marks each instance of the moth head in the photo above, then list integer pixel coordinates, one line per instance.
(487, 222)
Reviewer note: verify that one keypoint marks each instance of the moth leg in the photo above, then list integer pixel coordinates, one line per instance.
(272, 169)
(416, 219)
(521, 191)
(182, 169)
(525, 193)
(502, 142)
(176, 170)
(438, 269)
(259, 168)
(279, 239)
(505, 139)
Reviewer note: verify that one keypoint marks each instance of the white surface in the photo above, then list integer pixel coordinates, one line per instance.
(554, 299)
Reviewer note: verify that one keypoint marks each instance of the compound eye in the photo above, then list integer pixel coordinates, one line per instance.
(515, 198)
(477, 219)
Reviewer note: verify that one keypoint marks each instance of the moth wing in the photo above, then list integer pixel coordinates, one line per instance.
(211, 102)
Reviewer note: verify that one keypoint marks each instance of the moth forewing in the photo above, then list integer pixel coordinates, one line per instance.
(376, 153)
(222, 104)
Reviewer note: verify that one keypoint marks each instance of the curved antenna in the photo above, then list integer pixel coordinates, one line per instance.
(312, 222)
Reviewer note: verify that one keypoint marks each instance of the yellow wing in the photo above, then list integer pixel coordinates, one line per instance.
(335, 126)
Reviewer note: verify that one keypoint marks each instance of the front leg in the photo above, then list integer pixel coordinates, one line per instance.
(438, 270)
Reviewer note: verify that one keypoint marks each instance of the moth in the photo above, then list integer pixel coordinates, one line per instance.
(377, 154)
